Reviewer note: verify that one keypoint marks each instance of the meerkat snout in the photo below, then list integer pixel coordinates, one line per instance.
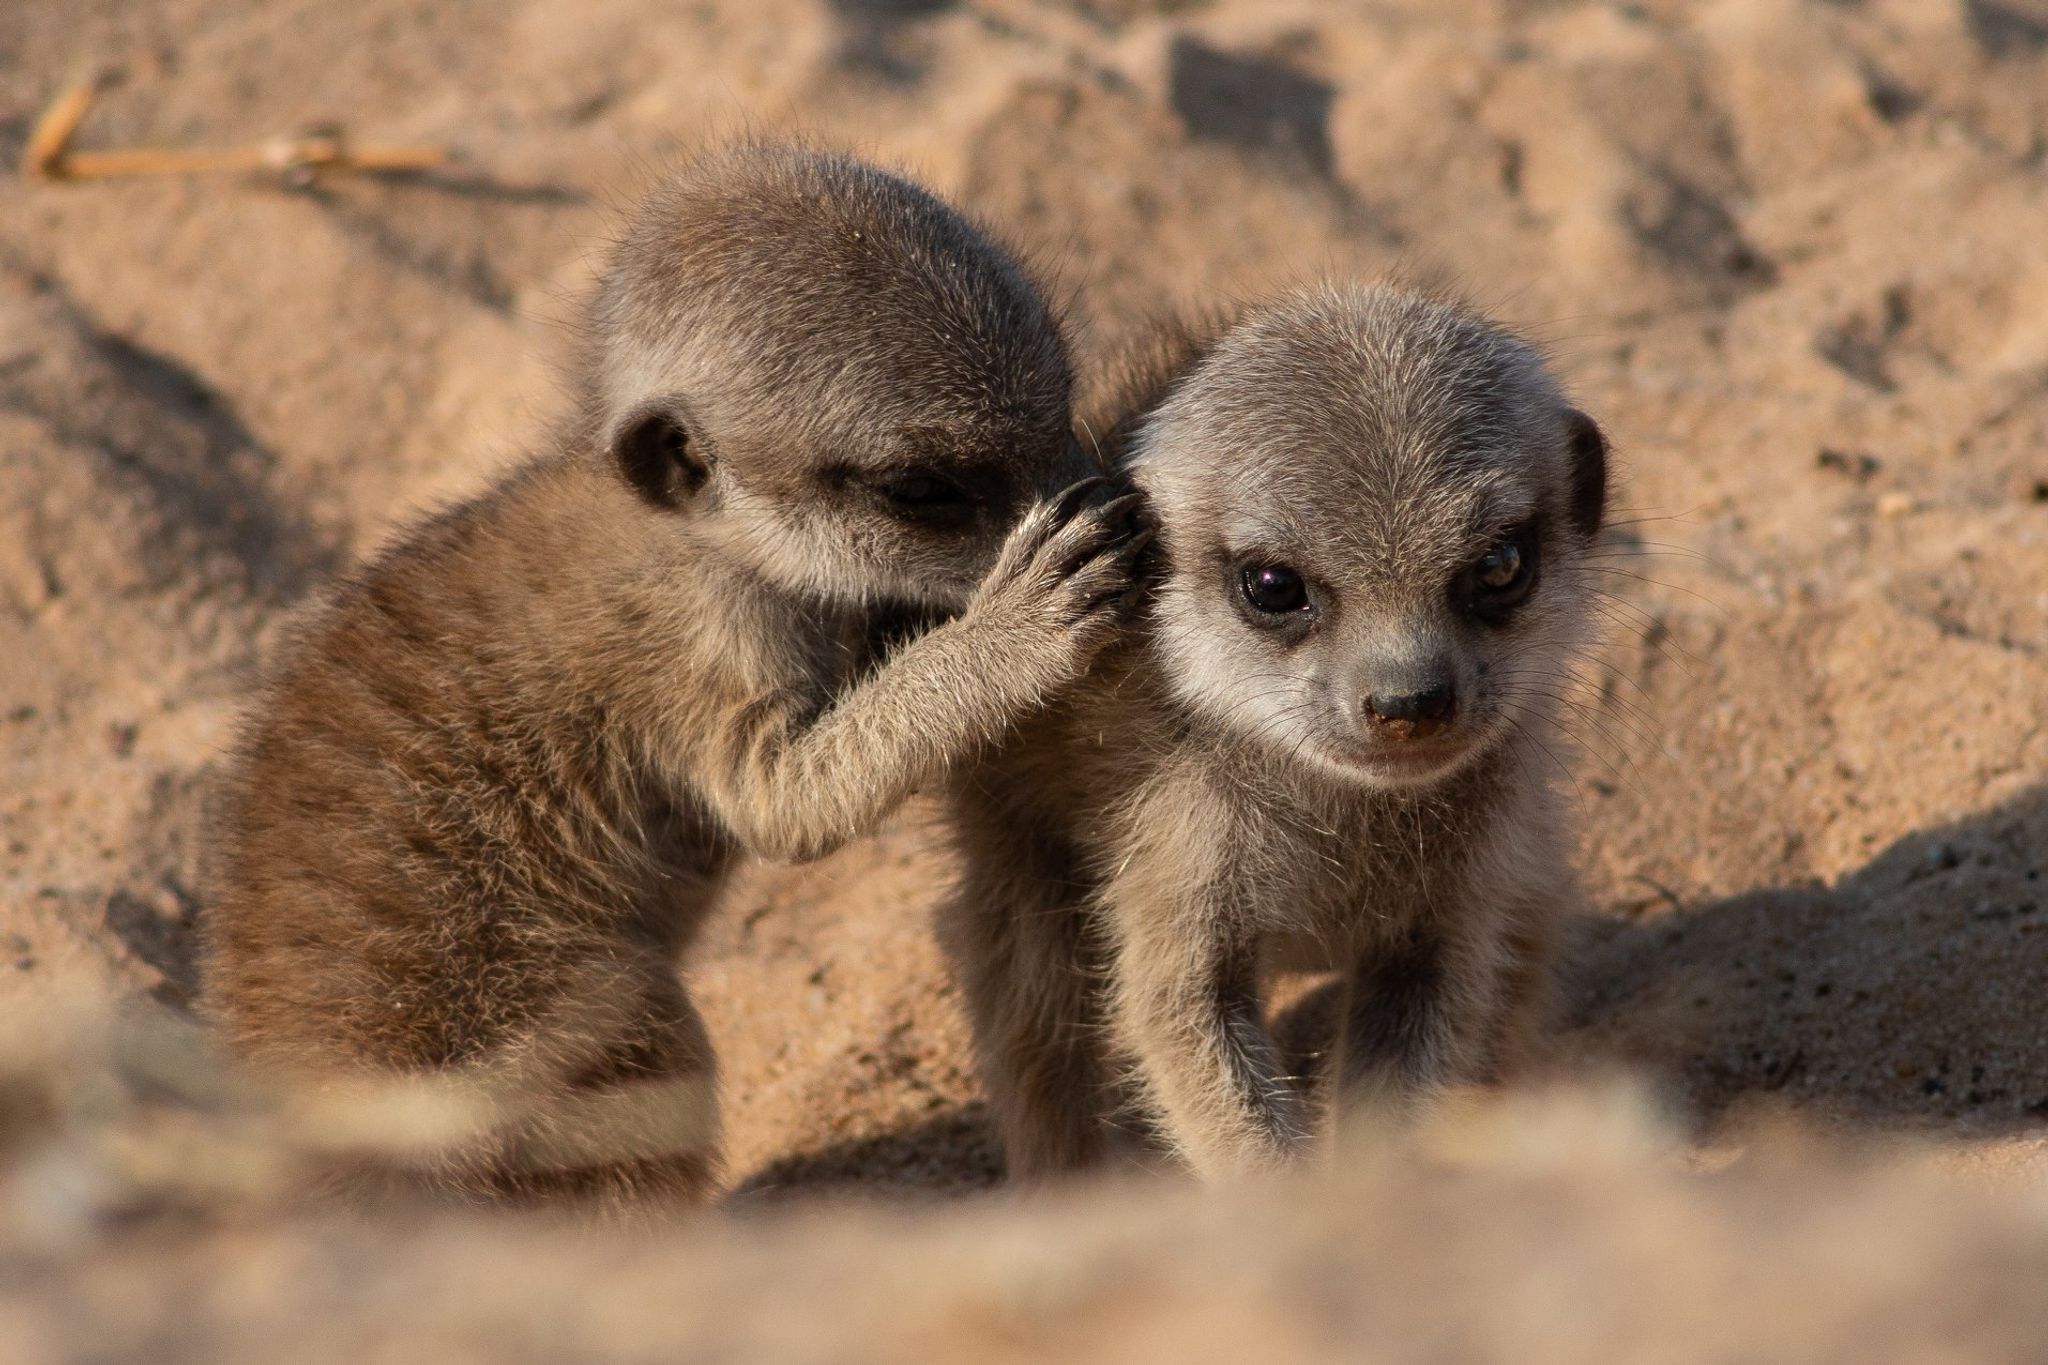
(1408, 709)
(1419, 714)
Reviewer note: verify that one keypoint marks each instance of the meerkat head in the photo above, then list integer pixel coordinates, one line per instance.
(831, 373)
(1376, 510)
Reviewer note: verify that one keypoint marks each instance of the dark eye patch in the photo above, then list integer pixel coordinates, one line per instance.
(919, 493)
(922, 493)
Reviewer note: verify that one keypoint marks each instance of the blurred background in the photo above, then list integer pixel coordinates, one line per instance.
(1793, 256)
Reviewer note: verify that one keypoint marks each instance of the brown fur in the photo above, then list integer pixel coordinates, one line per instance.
(1135, 379)
(498, 777)
(1217, 799)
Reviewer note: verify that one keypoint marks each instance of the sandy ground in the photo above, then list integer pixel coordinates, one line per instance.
(1793, 256)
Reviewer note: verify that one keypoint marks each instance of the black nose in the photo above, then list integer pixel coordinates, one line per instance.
(1413, 715)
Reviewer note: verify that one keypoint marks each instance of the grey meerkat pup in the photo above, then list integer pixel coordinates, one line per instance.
(1329, 744)
(499, 775)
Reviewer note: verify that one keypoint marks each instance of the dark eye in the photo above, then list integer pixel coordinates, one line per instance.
(1500, 568)
(920, 488)
(1500, 578)
(1274, 589)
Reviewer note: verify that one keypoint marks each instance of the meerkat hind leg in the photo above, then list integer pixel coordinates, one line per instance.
(639, 1125)
(606, 1100)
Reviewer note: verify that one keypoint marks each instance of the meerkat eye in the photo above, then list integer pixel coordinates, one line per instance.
(918, 490)
(1500, 567)
(1501, 578)
(923, 496)
(1273, 589)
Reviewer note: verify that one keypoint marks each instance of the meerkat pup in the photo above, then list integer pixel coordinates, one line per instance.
(498, 777)
(1329, 744)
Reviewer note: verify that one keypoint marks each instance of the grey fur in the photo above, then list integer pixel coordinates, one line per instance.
(1216, 800)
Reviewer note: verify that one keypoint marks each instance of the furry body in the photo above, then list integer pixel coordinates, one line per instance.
(1360, 783)
(500, 775)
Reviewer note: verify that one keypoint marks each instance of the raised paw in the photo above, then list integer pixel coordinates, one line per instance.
(1068, 575)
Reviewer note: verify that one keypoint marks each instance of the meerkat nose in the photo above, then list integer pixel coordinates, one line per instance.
(1413, 715)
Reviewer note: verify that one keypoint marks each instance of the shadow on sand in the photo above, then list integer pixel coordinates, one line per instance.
(949, 1154)
(1910, 995)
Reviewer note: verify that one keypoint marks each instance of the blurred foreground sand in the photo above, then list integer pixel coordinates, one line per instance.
(1794, 256)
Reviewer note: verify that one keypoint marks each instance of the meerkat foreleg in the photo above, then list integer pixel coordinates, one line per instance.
(1415, 1020)
(795, 783)
(1187, 1008)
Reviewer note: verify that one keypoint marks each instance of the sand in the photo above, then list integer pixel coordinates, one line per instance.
(1793, 256)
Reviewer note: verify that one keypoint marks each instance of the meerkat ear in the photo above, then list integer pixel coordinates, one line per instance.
(654, 448)
(1589, 470)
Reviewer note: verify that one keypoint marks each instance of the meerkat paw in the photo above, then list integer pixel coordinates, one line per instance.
(1066, 578)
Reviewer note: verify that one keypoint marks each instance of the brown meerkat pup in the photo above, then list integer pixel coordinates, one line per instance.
(1329, 744)
(499, 775)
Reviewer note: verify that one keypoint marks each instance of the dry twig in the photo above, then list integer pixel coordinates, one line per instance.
(48, 154)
